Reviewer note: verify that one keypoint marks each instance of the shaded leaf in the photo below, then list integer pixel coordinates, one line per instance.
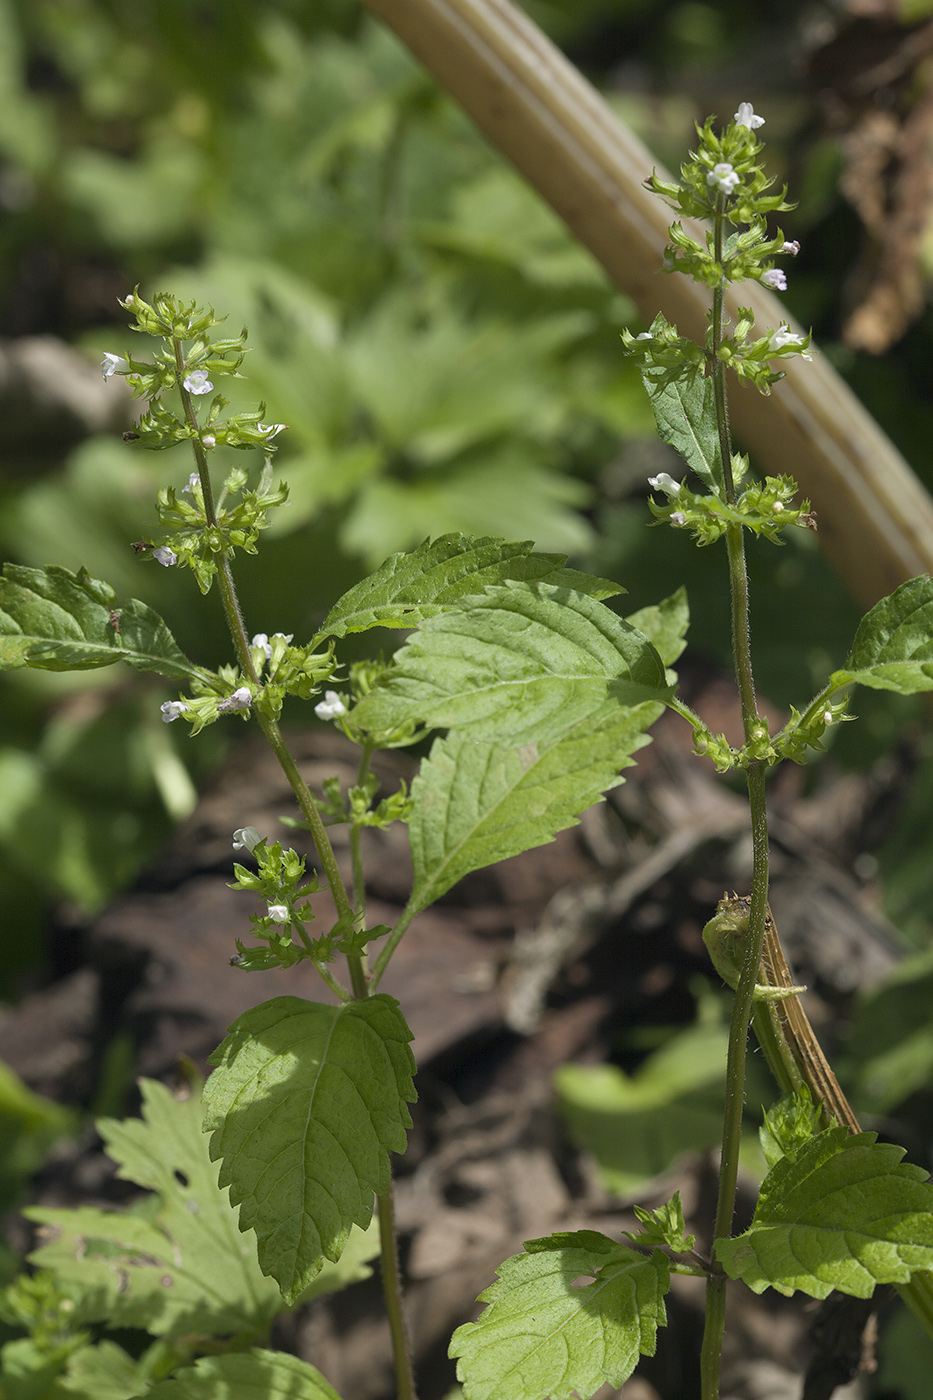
(521, 663)
(686, 417)
(543, 1338)
(408, 588)
(102, 1372)
(257, 1375)
(475, 803)
(842, 1212)
(893, 647)
(665, 625)
(305, 1104)
(57, 620)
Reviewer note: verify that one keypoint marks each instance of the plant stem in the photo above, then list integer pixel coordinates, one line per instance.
(392, 1291)
(755, 779)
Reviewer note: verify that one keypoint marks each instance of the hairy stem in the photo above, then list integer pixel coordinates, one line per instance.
(392, 1291)
(755, 777)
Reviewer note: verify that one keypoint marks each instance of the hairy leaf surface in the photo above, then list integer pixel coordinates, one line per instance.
(842, 1212)
(476, 803)
(893, 647)
(523, 662)
(57, 620)
(305, 1104)
(408, 588)
(686, 417)
(257, 1375)
(182, 1267)
(547, 1335)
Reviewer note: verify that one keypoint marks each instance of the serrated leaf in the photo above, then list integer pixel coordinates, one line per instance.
(665, 625)
(410, 587)
(186, 1270)
(257, 1375)
(521, 663)
(57, 620)
(476, 803)
(686, 417)
(893, 646)
(542, 1338)
(842, 1212)
(304, 1106)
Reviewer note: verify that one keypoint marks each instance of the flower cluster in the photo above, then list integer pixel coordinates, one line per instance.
(277, 880)
(764, 509)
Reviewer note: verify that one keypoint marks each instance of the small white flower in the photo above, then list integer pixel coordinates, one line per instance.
(792, 248)
(240, 700)
(331, 707)
(644, 335)
(827, 716)
(723, 176)
(778, 508)
(775, 279)
(784, 336)
(193, 481)
(172, 710)
(745, 116)
(113, 364)
(166, 557)
(261, 640)
(270, 430)
(279, 912)
(245, 838)
(197, 382)
(208, 440)
(678, 518)
(664, 482)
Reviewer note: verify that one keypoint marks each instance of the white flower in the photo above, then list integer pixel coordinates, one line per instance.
(279, 912)
(664, 482)
(678, 518)
(778, 508)
(745, 116)
(240, 700)
(775, 279)
(827, 716)
(270, 430)
(172, 710)
(261, 641)
(113, 364)
(197, 382)
(784, 336)
(166, 557)
(208, 440)
(245, 838)
(723, 176)
(792, 248)
(193, 481)
(331, 706)
(644, 335)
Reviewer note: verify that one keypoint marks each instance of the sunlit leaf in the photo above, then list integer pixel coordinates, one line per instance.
(893, 647)
(573, 1312)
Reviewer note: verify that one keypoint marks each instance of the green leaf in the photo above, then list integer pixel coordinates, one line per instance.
(183, 1268)
(57, 620)
(305, 1104)
(637, 1125)
(477, 803)
(521, 663)
(545, 1335)
(686, 417)
(842, 1212)
(665, 625)
(893, 647)
(663, 1226)
(257, 1375)
(432, 579)
(102, 1372)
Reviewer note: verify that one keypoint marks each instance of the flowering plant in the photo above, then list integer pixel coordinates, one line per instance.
(542, 694)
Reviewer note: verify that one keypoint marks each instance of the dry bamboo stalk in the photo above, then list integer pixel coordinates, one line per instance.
(875, 517)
